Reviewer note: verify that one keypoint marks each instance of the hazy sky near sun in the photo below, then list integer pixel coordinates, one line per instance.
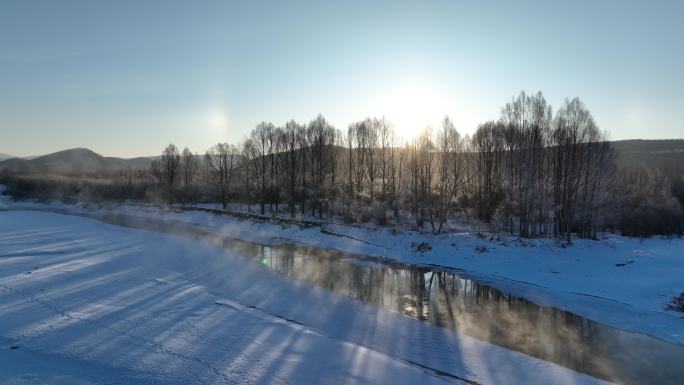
(125, 78)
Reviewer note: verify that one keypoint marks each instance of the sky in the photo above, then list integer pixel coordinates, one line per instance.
(125, 78)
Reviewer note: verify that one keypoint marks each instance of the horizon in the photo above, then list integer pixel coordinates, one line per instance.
(30, 157)
(122, 81)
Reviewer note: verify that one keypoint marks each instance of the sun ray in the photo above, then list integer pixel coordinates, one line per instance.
(411, 107)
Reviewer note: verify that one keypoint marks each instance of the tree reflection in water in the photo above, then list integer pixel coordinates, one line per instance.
(446, 299)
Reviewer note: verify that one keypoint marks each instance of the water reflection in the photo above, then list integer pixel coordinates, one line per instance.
(444, 298)
(480, 311)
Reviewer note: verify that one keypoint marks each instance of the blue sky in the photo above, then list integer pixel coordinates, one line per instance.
(125, 78)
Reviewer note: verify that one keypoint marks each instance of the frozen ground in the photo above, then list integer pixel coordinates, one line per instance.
(82, 301)
(620, 281)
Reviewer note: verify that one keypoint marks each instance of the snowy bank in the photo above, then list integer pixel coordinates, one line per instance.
(623, 282)
(86, 302)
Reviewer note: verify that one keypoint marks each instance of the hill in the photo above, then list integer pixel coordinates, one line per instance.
(76, 161)
(665, 154)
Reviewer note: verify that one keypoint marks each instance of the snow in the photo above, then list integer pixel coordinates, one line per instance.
(82, 301)
(620, 281)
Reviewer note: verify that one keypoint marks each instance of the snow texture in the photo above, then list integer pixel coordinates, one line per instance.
(82, 301)
(627, 283)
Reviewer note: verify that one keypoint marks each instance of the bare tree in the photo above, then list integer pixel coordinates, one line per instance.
(189, 169)
(487, 147)
(421, 168)
(527, 120)
(166, 171)
(371, 150)
(291, 159)
(579, 164)
(221, 161)
(321, 141)
(356, 138)
(249, 171)
(448, 176)
(260, 150)
(385, 134)
(395, 159)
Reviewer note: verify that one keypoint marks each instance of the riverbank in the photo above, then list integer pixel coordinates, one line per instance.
(82, 301)
(623, 282)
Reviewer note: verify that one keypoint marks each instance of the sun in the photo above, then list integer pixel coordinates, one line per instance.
(217, 119)
(217, 122)
(411, 107)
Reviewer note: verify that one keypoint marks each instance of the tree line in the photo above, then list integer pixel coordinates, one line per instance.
(531, 172)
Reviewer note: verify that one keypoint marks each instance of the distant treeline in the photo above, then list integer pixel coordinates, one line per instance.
(532, 172)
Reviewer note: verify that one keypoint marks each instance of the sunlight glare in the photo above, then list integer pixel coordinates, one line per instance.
(217, 122)
(411, 107)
